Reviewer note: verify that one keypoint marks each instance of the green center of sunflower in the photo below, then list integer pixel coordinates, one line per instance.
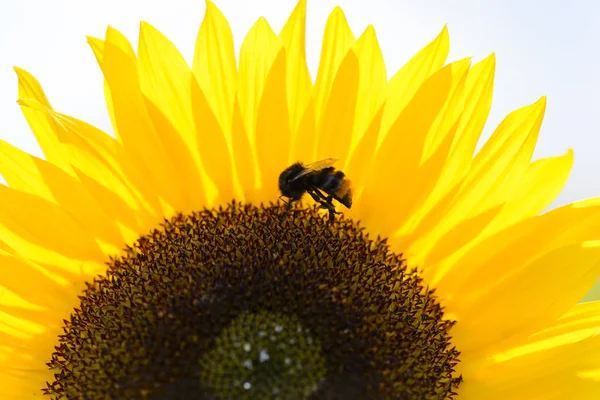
(254, 302)
(264, 355)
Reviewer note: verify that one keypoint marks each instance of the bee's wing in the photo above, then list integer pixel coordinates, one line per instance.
(315, 167)
(319, 165)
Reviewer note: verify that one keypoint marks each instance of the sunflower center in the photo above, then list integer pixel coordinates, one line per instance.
(254, 302)
(264, 355)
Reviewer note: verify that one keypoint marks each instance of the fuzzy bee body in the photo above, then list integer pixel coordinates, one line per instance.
(320, 180)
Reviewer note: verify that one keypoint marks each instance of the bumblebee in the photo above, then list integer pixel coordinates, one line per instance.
(320, 180)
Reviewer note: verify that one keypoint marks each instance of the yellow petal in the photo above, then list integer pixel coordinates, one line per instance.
(13, 330)
(542, 234)
(451, 113)
(51, 302)
(360, 161)
(23, 379)
(62, 268)
(24, 372)
(136, 129)
(97, 46)
(41, 126)
(496, 171)
(102, 169)
(541, 184)
(119, 40)
(557, 363)
(42, 316)
(337, 41)
(166, 80)
(334, 133)
(555, 247)
(243, 155)
(20, 385)
(258, 53)
(304, 142)
(476, 104)
(213, 149)
(407, 81)
(407, 137)
(40, 289)
(424, 195)
(214, 65)
(503, 159)
(372, 84)
(299, 85)
(580, 322)
(21, 172)
(273, 127)
(479, 87)
(33, 218)
(62, 189)
(513, 308)
(419, 192)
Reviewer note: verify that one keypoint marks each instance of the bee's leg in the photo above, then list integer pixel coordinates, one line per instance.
(332, 211)
(318, 196)
(313, 194)
(325, 202)
(288, 203)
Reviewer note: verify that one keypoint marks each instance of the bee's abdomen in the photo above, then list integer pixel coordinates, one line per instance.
(344, 193)
(328, 180)
(334, 183)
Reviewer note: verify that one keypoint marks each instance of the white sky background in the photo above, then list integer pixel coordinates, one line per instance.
(547, 47)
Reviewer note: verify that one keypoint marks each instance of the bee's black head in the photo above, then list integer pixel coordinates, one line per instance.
(295, 189)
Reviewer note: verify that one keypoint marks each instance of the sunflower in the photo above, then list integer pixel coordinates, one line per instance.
(160, 264)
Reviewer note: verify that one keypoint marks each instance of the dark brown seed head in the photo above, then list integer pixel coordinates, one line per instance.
(253, 302)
